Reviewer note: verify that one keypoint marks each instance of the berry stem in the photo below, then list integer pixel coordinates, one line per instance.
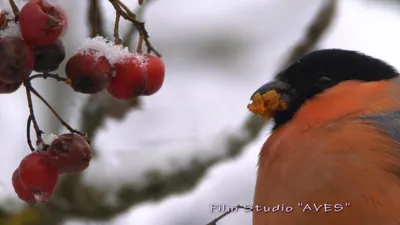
(117, 39)
(214, 221)
(49, 75)
(95, 18)
(140, 44)
(38, 132)
(28, 133)
(15, 10)
(124, 11)
(129, 12)
(65, 124)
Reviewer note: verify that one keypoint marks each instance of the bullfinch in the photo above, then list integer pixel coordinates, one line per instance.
(333, 156)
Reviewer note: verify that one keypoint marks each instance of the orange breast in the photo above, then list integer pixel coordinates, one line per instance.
(323, 159)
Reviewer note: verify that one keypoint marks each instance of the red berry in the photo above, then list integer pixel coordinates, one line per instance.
(89, 71)
(16, 60)
(49, 57)
(129, 80)
(41, 22)
(71, 153)
(38, 175)
(20, 190)
(6, 88)
(155, 74)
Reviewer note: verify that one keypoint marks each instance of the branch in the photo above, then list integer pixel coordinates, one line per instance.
(132, 31)
(15, 10)
(49, 75)
(95, 19)
(28, 133)
(214, 221)
(32, 117)
(123, 11)
(65, 124)
(117, 39)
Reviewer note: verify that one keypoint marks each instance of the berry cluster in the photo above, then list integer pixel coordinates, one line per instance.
(30, 43)
(101, 64)
(40, 25)
(37, 175)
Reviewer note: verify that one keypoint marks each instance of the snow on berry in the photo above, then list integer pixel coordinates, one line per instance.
(12, 30)
(6, 7)
(114, 53)
(89, 72)
(47, 140)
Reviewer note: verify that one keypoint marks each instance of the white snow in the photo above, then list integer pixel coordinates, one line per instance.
(6, 7)
(49, 138)
(114, 53)
(12, 30)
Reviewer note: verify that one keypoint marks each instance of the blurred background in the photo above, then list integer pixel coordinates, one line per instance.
(164, 159)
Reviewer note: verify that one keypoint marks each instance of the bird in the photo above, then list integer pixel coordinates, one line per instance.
(333, 154)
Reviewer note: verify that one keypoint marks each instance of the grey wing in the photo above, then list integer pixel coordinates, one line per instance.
(388, 122)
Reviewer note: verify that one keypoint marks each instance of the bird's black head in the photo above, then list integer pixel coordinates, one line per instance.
(321, 70)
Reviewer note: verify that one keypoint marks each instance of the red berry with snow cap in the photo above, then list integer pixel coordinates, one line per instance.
(38, 175)
(89, 71)
(41, 23)
(129, 80)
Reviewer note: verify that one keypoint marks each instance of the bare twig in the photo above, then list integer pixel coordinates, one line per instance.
(65, 124)
(214, 221)
(127, 10)
(130, 16)
(117, 39)
(95, 19)
(95, 15)
(38, 132)
(49, 75)
(28, 133)
(15, 10)
(139, 45)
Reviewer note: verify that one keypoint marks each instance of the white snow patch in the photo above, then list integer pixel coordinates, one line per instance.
(91, 52)
(12, 30)
(6, 7)
(49, 138)
(113, 53)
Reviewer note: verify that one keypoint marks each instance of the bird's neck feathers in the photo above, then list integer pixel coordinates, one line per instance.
(347, 99)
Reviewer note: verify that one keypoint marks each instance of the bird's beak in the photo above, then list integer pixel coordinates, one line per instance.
(271, 98)
(285, 91)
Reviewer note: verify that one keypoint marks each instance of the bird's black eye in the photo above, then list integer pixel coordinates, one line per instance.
(325, 82)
